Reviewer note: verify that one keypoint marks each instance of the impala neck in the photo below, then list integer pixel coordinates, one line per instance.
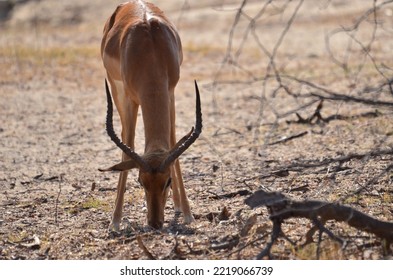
(155, 106)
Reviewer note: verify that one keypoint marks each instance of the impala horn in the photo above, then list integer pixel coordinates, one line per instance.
(183, 144)
(109, 128)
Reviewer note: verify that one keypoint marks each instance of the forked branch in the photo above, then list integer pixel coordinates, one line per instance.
(319, 212)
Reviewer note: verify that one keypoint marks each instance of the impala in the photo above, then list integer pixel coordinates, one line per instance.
(141, 52)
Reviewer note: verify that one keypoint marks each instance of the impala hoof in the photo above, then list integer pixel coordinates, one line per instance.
(156, 225)
(188, 219)
(115, 227)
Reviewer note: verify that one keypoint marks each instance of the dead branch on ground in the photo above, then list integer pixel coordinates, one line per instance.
(300, 166)
(297, 166)
(318, 212)
(144, 249)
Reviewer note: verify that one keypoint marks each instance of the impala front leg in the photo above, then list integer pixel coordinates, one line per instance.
(118, 211)
(128, 114)
(184, 204)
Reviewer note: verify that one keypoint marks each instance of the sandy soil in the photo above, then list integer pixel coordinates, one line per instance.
(53, 138)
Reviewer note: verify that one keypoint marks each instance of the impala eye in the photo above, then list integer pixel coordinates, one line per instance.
(168, 183)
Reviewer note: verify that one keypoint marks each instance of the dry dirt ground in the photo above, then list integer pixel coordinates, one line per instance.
(55, 204)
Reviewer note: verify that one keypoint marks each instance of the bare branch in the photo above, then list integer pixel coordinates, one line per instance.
(144, 249)
(282, 208)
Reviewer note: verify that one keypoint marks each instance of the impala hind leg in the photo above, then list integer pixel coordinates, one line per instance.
(180, 199)
(175, 191)
(128, 114)
(184, 204)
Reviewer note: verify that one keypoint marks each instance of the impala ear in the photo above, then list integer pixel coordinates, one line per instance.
(122, 166)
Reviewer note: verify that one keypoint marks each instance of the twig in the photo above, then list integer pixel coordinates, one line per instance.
(248, 244)
(225, 245)
(175, 253)
(369, 182)
(352, 99)
(286, 139)
(324, 93)
(319, 239)
(272, 65)
(144, 249)
(57, 198)
(33, 243)
(351, 31)
(340, 160)
(230, 195)
(273, 237)
(323, 229)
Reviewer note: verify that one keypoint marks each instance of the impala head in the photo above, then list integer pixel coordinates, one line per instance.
(154, 169)
(156, 186)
